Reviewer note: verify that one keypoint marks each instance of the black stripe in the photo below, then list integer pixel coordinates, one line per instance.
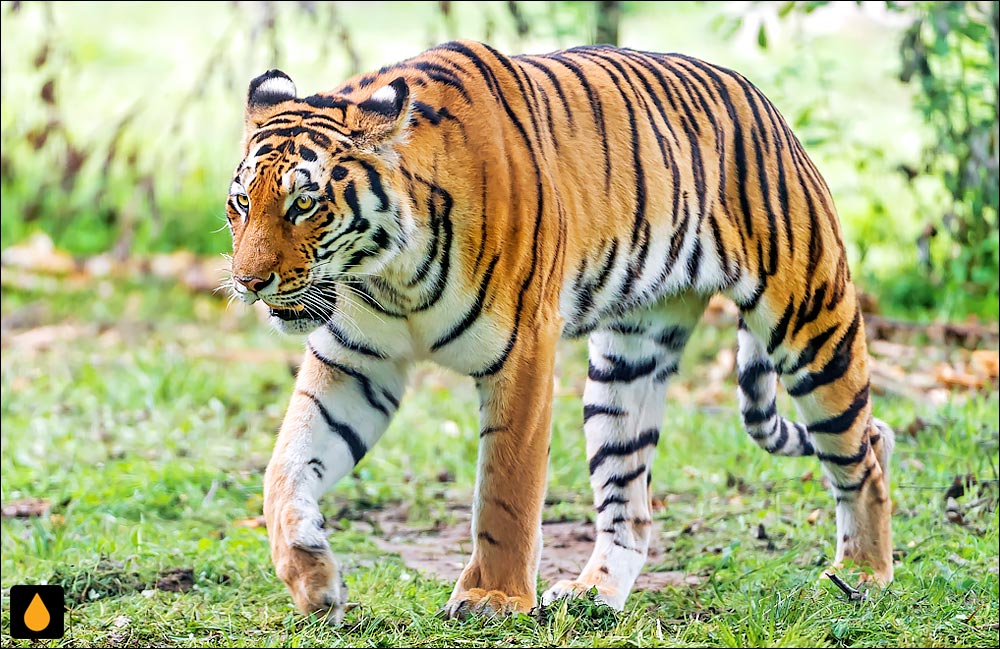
(778, 333)
(473, 314)
(318, 468)
(844, 421)
(443, 75)
(809, 308)
(375, 184)
(486, 536)
(363, 381)
(348, 434)
(835, 368)
(665, 372)
(644, 439)
(611, 500)
(504, 505)
(596, 108)
(856, 486)
(756, 416)
(808, 353)
(434, 225)
(639, 211)
(489, 430)
(592, 410)
(750, 374)
(344, 342)
(444, 267)
(318, 138)
(351, 196)
(626, 328)
(845, 460)
(621, 370)
(694, 259)
(782, 438)
(555, 83)
(585, 297)
(623, 479)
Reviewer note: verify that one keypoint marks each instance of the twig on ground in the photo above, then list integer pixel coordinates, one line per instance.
(852, 594)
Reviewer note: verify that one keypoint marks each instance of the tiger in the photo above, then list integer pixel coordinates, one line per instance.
(470, 208)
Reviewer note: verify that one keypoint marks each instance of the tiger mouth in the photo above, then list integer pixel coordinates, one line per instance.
(288, 313)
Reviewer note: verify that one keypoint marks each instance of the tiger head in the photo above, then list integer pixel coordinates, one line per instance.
(313, 203)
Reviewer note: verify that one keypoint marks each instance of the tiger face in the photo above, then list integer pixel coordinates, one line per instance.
(312, 203)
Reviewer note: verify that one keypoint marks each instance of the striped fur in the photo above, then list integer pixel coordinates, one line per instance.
(471, 208)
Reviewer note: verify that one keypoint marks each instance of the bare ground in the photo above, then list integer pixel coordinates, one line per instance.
(443, 549)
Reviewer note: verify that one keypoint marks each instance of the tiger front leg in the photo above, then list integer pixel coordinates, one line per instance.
(515, 417)
(340, 408)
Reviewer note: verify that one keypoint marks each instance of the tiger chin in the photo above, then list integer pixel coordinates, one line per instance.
(472, 208)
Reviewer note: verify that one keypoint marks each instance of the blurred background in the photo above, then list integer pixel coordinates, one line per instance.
(121, 121)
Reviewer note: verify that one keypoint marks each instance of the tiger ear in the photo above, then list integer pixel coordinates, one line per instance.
(269, 89)
(380, 120)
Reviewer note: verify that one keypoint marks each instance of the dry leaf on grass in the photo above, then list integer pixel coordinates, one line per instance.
(253, 521)
(814, 516)
(25, 508)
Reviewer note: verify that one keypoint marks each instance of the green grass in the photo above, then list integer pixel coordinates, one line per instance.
(147, 417)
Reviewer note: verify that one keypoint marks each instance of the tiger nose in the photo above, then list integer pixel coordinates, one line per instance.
(256, 284)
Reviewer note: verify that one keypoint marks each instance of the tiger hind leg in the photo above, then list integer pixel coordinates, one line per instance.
(829, 382)
(631, 360)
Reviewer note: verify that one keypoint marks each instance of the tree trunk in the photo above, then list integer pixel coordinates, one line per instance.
(609, 14)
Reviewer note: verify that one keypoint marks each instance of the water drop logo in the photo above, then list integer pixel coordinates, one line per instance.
(37, 617)
(37, 612)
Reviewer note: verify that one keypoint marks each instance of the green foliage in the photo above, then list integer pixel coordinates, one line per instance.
(950, 50)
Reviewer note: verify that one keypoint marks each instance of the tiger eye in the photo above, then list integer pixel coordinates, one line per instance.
(304, 202)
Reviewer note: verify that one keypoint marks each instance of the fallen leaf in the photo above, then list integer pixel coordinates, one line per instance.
(953, 513)
(253, 521)
(38, 254)
(25, 508)
(814, 516)
(986, 362)
(957, 488)
(951, 376)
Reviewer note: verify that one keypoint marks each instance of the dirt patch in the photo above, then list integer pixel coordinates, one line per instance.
(442, 550)
(176, 580)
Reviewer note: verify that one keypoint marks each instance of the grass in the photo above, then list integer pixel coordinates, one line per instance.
(145, 415)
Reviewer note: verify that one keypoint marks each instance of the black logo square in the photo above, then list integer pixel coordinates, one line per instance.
(37, 612)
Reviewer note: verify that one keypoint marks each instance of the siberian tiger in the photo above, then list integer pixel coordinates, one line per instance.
(472, 208)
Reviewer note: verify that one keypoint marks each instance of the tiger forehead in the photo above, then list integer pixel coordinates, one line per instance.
(286, 170)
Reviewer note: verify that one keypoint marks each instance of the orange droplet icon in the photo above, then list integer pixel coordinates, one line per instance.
(37, 616)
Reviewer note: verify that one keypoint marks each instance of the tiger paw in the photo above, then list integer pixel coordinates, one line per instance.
(313, 579)
(486, 603)
(575, 589)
